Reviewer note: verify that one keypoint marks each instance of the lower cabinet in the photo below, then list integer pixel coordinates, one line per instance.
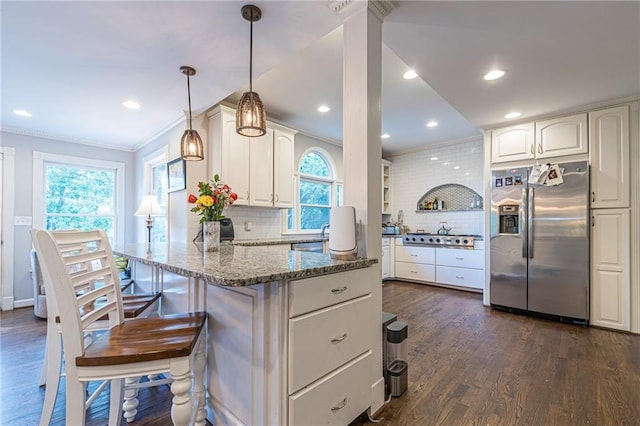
(610, 265)
(384, 260)
(415, 263)
(330, 348)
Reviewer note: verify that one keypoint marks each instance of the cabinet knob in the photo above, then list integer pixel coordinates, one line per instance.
(532, 150)
(539, 148)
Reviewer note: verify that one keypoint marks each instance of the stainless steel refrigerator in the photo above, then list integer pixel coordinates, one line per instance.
(540, 243)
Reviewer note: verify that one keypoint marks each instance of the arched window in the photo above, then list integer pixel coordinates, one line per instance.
(318, 191)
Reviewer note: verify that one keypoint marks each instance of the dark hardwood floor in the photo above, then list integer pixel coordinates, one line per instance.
(468, 365)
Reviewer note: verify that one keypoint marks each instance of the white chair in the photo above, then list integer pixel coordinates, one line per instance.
(134, 306)
(148, 346)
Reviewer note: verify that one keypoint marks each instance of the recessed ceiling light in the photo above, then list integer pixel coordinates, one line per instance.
(446, 163)
(432, 124)
(493, 75)
(434, 158)
(410, 75)
(457, 167)
(385, 136)
(22, 113)
(131, 104)
(323, 108)
(513, 114)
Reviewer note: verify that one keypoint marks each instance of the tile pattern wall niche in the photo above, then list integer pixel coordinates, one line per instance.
(415, 173)
(455, 197)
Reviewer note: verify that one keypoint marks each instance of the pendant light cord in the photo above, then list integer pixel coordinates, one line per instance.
(251, 53)
(189, 95)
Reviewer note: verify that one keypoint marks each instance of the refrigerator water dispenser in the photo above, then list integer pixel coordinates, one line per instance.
(509, 219)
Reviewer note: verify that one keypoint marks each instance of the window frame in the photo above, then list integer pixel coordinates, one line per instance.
(298, 177)
(41, 159)
(151, 161)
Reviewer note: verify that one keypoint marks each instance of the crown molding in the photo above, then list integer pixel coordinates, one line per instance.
(64, 139)
(347, 8)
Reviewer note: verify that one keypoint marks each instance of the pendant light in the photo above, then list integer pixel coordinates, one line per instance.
(251, 118)
(191, 146)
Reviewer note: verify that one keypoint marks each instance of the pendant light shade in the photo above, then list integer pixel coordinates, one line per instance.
(251, 118)
(191, 146)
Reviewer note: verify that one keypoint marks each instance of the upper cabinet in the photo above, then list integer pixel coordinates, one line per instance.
(386, 187)
(513, 143)
(609, 148)
(561, 136)
(260, 170)
(543, 139)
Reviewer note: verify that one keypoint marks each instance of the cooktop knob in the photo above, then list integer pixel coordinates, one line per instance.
(437, 240)
(413, 238)
(422, 239)
(465, 241)
(430, 240)
(457, 241)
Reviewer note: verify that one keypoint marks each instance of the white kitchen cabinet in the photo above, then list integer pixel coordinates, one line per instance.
(386, 187)
(609, 150)
(415, 263)
(513, 143)
(330, 348)
(610, 265)
(384, 260)
(460, 267)
(261, 169)
(561, 136)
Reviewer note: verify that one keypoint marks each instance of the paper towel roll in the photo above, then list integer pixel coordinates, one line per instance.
(342, 238)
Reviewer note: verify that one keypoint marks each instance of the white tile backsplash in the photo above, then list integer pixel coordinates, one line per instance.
(414, 174)
(265, 222)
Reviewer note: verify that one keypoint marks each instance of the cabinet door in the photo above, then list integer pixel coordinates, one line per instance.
(283, 169)
(561, 136)
(261, 170)
(513, 143)
(610, 264)
(385, 261)
(609, 141)
(235, 161)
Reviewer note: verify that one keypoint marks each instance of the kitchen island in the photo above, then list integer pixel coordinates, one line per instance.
(292, 337)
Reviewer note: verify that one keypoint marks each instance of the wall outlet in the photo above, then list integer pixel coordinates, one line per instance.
(248, 226)
(22, 220)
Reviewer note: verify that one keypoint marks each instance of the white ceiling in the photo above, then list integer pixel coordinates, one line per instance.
(72, 64)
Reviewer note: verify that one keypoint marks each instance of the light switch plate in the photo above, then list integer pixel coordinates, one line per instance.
(248, 226)
(22, 220)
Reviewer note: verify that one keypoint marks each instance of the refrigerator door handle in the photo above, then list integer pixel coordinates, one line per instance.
(530, 222)
(523, 221)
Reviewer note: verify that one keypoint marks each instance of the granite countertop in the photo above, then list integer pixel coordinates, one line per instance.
(237, 266)
(286, 239)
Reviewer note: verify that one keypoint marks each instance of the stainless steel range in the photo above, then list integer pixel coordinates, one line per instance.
(461, 241)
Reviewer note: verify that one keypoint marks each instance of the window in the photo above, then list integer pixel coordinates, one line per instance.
(156, 183)
(317, 192)
(79, 193)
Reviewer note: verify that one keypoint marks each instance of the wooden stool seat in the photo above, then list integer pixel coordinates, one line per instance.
(133, 305)
(145, 339)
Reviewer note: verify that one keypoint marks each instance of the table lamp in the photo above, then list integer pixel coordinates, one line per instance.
(149, 207)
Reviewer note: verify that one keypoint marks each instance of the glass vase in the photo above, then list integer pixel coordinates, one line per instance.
(211, 236)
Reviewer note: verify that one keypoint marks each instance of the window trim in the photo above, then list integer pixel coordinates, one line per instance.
(333, 180)
(39, 161)
(149, 162)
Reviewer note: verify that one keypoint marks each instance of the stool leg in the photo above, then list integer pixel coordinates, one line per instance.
(53, 367)
(199, 363)
(130, 405)
(180, 388)
(115, 396)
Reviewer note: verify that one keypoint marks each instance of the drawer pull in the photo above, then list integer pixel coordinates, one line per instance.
(459, 277)
(414, 272)
(459, 258)
(339, 339)
(413, 255)
(339, 290)
(340, 405)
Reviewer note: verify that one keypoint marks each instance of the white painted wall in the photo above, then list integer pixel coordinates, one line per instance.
(24, 146)
(414, 174)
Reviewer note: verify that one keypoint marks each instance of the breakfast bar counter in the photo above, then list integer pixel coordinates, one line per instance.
(292, 337)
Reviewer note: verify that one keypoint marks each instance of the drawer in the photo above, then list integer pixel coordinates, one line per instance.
(336, 399)
(323, 340)
(415, 271)
(460, 258)
(313, 293)
(416, 254)
(472, 278)
(385, 242)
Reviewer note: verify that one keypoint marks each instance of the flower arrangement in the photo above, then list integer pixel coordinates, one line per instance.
(213, 197)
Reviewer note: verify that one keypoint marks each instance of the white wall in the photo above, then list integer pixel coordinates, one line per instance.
(414, 174)
(24, 146)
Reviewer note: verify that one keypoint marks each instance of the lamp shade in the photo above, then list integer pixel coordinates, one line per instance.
(149, 206)
(251, 118)
(191, 146)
